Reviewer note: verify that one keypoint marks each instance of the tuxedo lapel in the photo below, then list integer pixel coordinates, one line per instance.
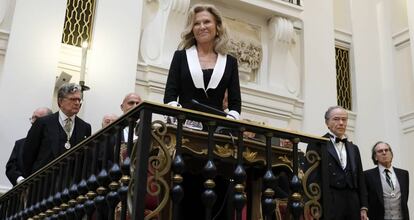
(333, 153)
(351, 156)
(378, 185)
(401, 178)
(218, 71)
(331, 150)
(75, 134)
(195, 68)
(197, 73)
(78, 131)
(55, 134)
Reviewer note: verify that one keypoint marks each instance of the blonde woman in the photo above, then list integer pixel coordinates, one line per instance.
(201, 69)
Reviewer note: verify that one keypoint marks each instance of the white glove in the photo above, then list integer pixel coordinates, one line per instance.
(175, 104)
(171, 119)
(233, 115)
(19, 179)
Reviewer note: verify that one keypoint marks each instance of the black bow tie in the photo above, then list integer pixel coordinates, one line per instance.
(337, 140)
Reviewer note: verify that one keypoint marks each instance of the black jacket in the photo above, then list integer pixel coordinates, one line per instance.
(375, 193)
(14, 164)
(46, 139)
(180, 84)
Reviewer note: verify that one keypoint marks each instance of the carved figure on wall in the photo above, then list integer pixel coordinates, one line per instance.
(284, 59)
(159, 37)
(245, 45)
(248, 55)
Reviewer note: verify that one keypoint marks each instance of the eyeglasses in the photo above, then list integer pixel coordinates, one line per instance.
(74, 99)
(386, 150)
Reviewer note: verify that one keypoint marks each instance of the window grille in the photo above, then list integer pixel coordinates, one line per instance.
(78, 22)
(343, 79)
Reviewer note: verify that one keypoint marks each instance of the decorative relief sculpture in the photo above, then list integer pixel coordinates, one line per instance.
(160, 36)
(282, 30)
(284, 58)
(245, 45)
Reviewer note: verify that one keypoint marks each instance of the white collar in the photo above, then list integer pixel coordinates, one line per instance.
(62, 121)
(197, 73)
(382, 168)
(63, 117)
(333, 136)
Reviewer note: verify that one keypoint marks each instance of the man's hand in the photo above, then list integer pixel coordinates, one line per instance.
(364, 214)
(19, 179)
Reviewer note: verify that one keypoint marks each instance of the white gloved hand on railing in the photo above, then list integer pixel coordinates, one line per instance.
(19, 179)
(171, 119)
(175, 104)
(233, 115)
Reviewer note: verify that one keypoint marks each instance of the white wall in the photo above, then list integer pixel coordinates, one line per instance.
(29, 71)
(6, 16)
(410, 15)
(320, 72)
(398, 9)
(378, 67)
(6, 13)
(368, 104)
(112, 59)
(342, 18)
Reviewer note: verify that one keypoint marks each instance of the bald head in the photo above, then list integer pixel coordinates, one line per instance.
(108, 119)
(130, 101)
(40, 112)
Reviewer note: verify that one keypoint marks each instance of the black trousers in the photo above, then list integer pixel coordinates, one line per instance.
(344, 205)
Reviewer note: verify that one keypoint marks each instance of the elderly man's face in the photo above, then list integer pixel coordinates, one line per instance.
(71, 104)
(38, 113)
(383, 154)
(337, 122)
(130, 102)
(108, 119)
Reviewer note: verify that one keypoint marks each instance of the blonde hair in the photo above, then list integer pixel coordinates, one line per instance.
(187, 36)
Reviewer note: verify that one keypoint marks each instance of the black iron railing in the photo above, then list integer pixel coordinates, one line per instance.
(104, 177)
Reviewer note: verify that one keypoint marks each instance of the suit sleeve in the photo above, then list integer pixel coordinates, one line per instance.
(13, 169)
(408, 184)
(362, 188)
(234, 97)
(173, 85)
(31, 147)
(89, 130)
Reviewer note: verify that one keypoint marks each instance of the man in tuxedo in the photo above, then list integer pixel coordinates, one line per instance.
(14, 164)
(347, 191)
(52, 135)
(387, 186)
